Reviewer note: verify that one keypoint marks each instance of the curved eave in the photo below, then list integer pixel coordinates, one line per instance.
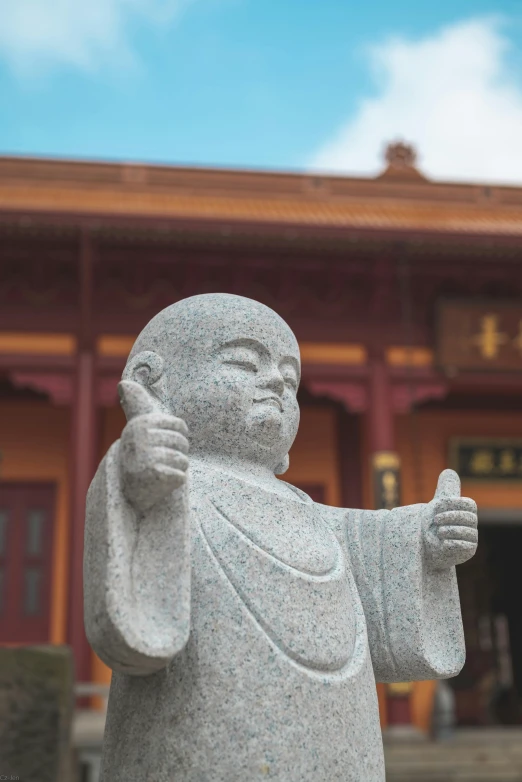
(288, 236)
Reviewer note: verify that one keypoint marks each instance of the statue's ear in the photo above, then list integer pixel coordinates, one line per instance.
(283, 466)
(146, 368)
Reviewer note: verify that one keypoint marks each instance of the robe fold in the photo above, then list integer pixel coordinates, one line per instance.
(249, 649)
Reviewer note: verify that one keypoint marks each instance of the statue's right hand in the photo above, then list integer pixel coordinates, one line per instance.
(154, 448)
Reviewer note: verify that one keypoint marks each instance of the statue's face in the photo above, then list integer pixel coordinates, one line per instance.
(236, 386)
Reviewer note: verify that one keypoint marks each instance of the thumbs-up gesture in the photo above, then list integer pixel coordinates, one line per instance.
(153, 450)
(452, 536)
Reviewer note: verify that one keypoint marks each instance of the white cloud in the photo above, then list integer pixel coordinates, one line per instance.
(452, 95)
(81, 33)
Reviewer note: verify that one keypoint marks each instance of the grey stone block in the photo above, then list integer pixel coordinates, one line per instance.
(36, 704)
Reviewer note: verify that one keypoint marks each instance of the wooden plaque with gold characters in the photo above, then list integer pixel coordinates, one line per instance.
(487, 459)
(479, 335)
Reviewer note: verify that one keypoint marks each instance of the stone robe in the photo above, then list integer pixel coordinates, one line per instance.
(246, 629)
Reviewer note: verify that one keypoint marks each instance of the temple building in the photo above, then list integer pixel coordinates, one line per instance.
(406, 297)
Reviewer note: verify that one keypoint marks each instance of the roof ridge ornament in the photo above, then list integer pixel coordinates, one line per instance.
(401, 159)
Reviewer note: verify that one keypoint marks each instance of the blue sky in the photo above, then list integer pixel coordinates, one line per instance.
(289, 84)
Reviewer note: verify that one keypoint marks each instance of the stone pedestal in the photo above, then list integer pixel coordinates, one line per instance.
(36, 705)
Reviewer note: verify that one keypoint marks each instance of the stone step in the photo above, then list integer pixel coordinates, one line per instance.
(482, 755)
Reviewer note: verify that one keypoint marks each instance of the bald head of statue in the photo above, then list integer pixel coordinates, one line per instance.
(230, 368)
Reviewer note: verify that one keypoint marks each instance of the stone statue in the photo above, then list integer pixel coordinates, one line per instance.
(245, 624)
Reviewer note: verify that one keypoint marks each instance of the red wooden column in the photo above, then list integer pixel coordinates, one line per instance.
(83, 454)
(386, 490)
(380, 406)
(349, 427)
(384, 456)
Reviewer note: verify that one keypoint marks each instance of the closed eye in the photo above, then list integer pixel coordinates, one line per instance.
(250, 366)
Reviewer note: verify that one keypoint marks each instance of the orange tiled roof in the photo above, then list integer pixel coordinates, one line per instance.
(391, 202)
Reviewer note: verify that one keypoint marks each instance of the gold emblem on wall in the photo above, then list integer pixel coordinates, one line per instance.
(386, 479)
(489, 339)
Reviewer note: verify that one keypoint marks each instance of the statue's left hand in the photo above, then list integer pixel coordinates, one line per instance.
(451, 536)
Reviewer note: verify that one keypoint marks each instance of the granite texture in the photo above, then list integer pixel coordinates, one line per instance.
(245, 624)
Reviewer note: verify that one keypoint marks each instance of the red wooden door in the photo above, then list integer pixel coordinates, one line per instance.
(26, 533)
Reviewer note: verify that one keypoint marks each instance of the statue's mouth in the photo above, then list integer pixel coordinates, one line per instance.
(273, 401)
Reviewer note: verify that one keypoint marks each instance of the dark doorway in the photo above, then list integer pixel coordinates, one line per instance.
(489, 688)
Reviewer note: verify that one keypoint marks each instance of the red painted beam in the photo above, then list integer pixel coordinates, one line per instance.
(24, 361)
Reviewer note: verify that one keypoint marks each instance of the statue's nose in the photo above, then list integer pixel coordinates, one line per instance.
(275, 382)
